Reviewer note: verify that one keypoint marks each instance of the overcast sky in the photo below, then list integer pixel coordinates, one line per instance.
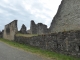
(41, 11)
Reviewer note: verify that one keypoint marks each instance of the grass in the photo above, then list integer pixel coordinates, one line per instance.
(26, 35)
(45, 53)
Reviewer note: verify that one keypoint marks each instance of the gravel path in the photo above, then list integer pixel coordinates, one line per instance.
(11, 53)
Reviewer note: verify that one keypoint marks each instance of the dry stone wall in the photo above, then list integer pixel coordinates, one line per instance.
(10, 30)
(67, 42)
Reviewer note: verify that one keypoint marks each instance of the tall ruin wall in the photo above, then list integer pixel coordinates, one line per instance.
(41, 28)
(67, 17)
(23, 29)
(38, 28)
(33, 28)
(10, 30)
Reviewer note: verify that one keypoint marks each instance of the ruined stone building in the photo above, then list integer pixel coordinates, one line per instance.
(10, 30)
(33, 29)
(23, 29)
(64, 41)
(67, 17)
(38, 28)
(41, 28)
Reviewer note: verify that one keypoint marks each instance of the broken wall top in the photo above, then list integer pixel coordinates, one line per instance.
(67, 17)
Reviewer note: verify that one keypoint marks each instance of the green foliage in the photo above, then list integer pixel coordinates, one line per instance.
(26, 35)
(45, 53)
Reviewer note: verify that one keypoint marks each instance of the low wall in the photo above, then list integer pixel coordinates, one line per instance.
(63, 42)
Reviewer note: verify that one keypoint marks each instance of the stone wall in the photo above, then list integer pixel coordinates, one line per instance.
(33, 29)
(23, 29)
(1, 34)
(67, 17)
(10, 30)
(41, 28)
(67, 42)
(38, 28)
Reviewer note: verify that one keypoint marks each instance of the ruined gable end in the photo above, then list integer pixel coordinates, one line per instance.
(38, 28)
(23, 29)
(67, 17)
(10, 30)
(33, 27)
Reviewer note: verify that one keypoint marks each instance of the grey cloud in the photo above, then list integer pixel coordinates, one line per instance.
(21, 14)
(38, 6)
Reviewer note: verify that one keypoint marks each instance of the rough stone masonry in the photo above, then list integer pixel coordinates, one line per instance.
(10, 30)
(63, 42)
(38, 28)
(23, 29)
(67, 17)
(67, 25)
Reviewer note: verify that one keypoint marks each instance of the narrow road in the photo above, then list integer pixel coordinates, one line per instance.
(11, 53)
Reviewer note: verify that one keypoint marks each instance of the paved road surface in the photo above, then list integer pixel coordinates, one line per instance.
(11, 53)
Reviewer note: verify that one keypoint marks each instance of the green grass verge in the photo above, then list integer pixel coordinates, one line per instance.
(45, 53)
(26, 35)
